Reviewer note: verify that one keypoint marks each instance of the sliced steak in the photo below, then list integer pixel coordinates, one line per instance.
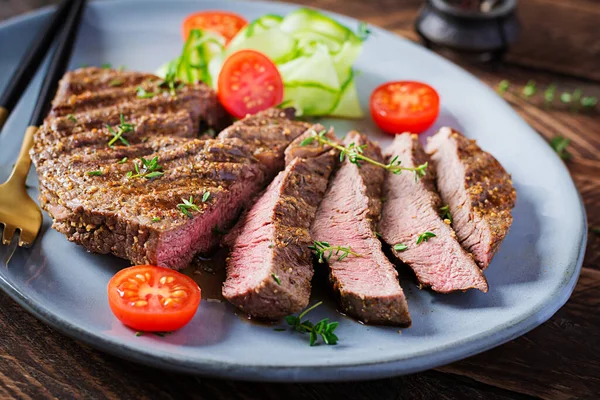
(478, 191)
(412, 208)
(94, 193)
(367, 285)
(270, 265)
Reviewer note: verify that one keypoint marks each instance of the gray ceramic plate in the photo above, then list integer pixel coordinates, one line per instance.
(530, 279)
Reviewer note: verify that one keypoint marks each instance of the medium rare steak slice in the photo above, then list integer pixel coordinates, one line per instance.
(410, 211)
(270, 265)
(478, 191)
(367, 286)
(140, 219)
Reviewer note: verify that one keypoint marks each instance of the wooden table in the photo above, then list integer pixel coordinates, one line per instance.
(559, 360)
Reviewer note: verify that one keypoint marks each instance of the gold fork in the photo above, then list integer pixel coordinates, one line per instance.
(17, 209)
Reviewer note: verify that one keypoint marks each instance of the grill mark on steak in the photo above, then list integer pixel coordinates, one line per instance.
(478, 191)
(411, 208)
(367, 286)
(270, 265)
(112, 213)
(269, 132)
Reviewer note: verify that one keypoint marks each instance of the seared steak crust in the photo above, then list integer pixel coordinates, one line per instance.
(367, 285)
(84, 182)
(412, 208)
(477, 189)
(270, 265)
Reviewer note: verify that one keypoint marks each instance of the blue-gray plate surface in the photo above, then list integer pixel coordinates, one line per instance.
(530, 278)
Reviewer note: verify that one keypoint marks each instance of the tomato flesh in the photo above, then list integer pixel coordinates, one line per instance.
(249, 82)
(404, 106)
(153, 299)
(227, 24)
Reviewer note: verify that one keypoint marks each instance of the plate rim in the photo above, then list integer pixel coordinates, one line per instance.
(468, 346)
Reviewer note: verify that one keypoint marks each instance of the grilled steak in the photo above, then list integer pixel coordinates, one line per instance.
(411, 209)
(478, 191)
(367, 284)
(270, 265)
(99, 199)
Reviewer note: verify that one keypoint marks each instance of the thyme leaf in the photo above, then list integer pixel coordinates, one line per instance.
(94, 173)
(446, 213)
(400, 247)
(187, 205)
(324, 251)
(150, 169)
(276, 278)
(122, 129)
(425, 236)
(560, 144)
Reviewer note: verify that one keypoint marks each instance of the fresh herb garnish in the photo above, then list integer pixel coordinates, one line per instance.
(363, 31)
(71, 118)
(400, 247)
(503, 86)
(155, 219)
(355, 154)
(170, 83)
(324, 251)
(122, 129)
(595, 229)
(576, 99)
(323, 328)
(560, 144)
(205, 197)
(94, 173)
(446, 212)
(143, 94)
(188, 205)
(529, 89)
(424, 237)
(123, 160)
(550, 94)
(160, 334)
(139, 333)
(106, 66)
(276, 278)
(115, 82)
(150, 169)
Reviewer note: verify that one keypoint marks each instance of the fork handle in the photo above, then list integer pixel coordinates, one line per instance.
(3, 116)
(21, 168)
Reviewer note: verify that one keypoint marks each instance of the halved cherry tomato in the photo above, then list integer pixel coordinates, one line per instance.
(225, 23)
(404, 106)
(153, 299)
(248, 83)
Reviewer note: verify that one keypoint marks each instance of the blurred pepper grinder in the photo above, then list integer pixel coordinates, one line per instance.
(482, 29)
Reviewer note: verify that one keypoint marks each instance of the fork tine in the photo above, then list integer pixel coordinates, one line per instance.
(26, 238)
(8, 233)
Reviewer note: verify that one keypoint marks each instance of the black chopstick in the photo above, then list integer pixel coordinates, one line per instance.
(32, 59)
(58, 62)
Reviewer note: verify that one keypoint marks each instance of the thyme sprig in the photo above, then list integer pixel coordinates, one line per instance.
(446, 213)
(574, 99)
(188, 205)
(324, 251)
(354, 154)
(323, 328)
(122, 129)
(150, 169)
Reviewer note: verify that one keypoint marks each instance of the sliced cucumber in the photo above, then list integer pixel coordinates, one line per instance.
(347, 105)
(316, 69)
(275, 44)
(306, 19)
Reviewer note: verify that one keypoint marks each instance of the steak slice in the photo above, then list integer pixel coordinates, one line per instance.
(478, 191)
(367, 285)
(93, 191)
(270, 265)
(412, 208)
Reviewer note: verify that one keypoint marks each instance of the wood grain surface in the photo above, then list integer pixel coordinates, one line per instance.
(560, 43)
